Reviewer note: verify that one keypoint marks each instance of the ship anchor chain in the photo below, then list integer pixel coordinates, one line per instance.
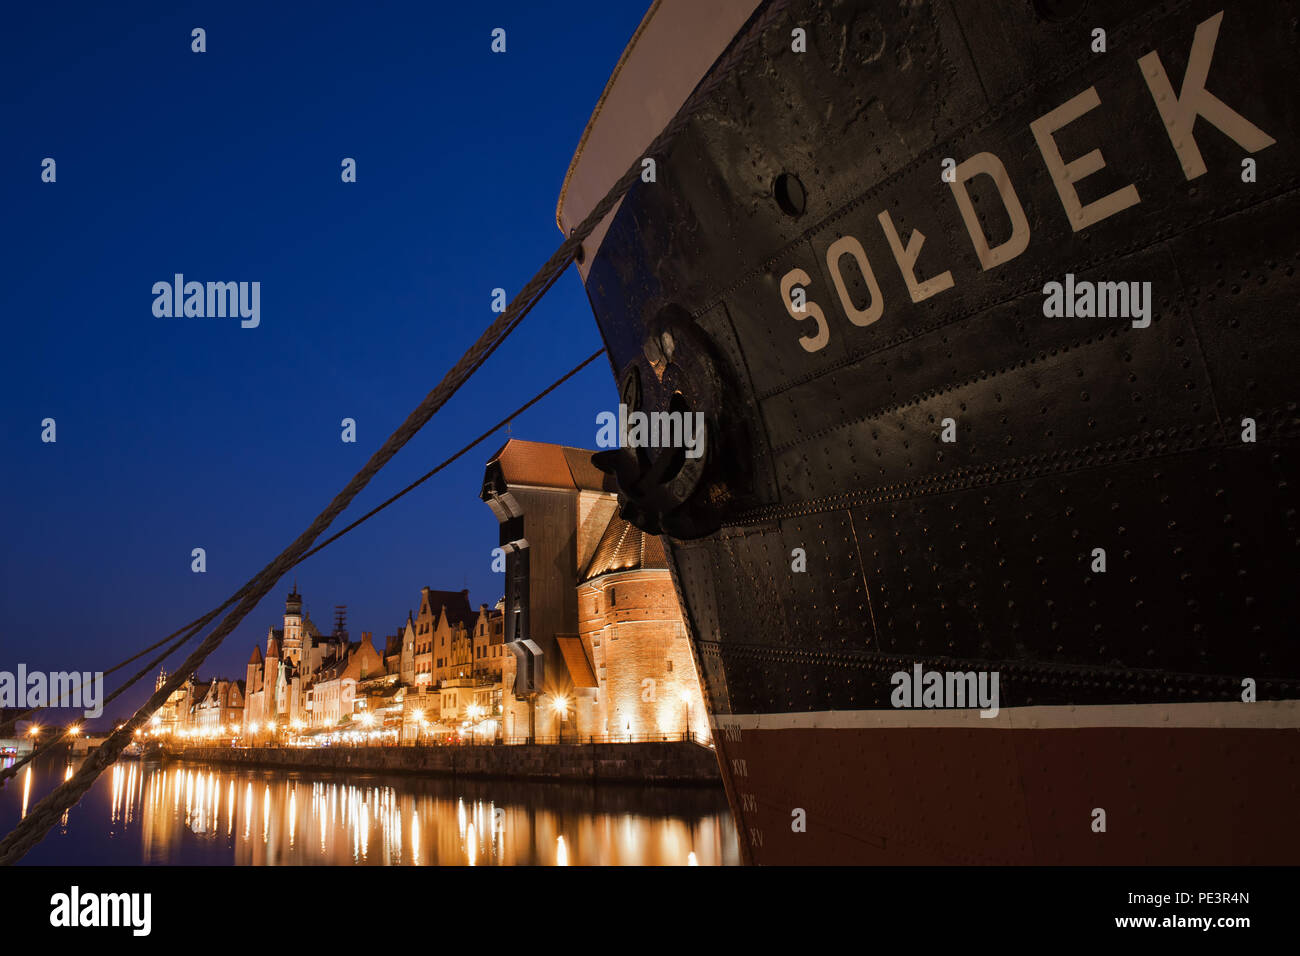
(663, 490)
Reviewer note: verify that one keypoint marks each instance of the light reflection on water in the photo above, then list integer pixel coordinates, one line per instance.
(145, 812)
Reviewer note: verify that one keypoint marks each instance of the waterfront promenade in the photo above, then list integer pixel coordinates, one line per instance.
(664, 763)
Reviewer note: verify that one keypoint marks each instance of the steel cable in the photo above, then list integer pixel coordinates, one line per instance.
(32, 828)
(195, 626)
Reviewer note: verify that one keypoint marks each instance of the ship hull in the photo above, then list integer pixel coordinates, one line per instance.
(944, 795)
(932, 463)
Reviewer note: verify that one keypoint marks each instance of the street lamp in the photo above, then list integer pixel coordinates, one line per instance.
(475, 714)
(560, 703)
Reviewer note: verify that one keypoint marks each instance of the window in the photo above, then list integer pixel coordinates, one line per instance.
(613, 597)
(670, 666)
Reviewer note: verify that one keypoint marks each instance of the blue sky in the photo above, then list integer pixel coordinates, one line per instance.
(177, 433)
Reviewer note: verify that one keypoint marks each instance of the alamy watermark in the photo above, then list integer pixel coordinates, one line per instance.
(24, 689)
(77, 909)
(198, 300)
(1083, 299)
(651, 430)
(946, 689)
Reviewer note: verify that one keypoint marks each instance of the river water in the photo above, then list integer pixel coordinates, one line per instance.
(142, 811)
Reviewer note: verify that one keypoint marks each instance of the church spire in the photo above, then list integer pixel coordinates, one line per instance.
(293, 604)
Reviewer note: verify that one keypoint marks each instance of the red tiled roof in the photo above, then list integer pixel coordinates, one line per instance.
(550, 466)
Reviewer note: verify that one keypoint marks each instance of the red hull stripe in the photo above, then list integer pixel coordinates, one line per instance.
(1172, 795)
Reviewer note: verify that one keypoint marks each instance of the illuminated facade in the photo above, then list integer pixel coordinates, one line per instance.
(204, 708)
(587, 641)
(335, 689)
(631, 632)
(221, 710)
(596, 640)
(278, 685)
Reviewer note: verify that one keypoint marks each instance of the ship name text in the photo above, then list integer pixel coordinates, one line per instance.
(1178, 112)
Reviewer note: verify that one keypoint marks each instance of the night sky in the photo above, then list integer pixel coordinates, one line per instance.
(177, 433)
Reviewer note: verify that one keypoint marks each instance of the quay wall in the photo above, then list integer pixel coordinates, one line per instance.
(670, 763)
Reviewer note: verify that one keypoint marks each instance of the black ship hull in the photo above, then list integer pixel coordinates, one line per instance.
(938, 463)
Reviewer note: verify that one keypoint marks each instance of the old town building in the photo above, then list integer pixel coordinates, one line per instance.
(588, 640)
(337, 682)
(580, 663)
(635, 643)
(222, 708)
(277, 684)
(199, 707)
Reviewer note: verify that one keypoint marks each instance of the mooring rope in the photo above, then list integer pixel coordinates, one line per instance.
(189, 630)
(32, 828)
(195, 626)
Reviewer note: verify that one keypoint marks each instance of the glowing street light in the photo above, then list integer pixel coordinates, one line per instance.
(475, 713)
(560, 704)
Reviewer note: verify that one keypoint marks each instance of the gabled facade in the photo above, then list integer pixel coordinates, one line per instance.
(335, 691)
(221, 710)
(441, 618)
(406, 667)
